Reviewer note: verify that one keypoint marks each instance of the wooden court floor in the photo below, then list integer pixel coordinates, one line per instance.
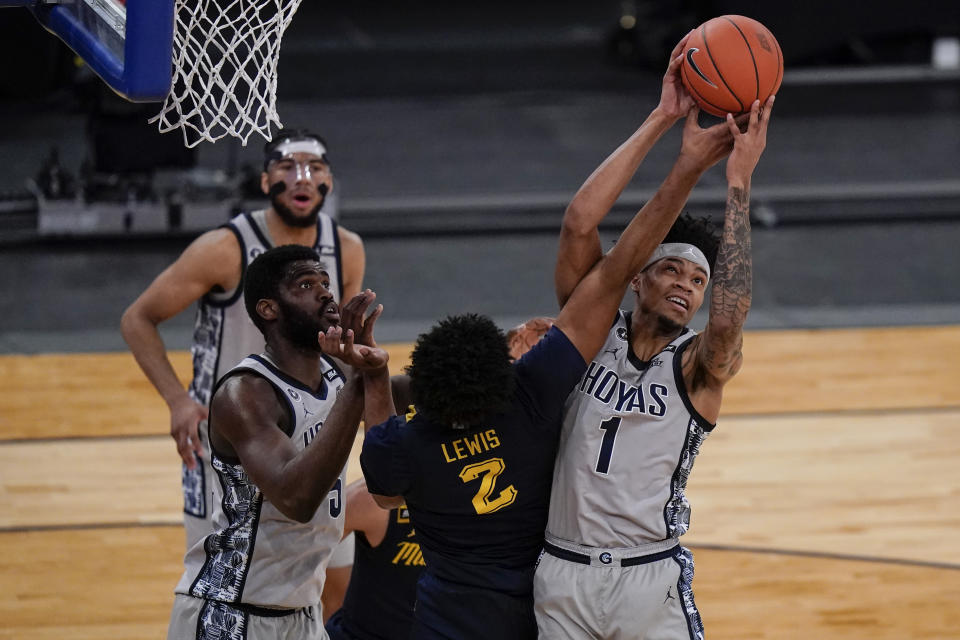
(825, 505)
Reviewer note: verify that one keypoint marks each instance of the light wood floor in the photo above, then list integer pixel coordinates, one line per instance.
(825, 505)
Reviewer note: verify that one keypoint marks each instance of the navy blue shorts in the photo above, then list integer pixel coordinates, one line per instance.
(334, 628)
(456, 612)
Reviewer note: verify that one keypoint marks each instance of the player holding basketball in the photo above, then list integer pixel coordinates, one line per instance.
(613, 566)
(474, 463)
(281, 426)
(297, 177)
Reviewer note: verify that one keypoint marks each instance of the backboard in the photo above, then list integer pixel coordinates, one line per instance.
(128, 43)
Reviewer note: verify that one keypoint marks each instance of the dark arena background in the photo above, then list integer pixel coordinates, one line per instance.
(827, 502)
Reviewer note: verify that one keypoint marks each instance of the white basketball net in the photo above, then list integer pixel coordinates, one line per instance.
(225, 55)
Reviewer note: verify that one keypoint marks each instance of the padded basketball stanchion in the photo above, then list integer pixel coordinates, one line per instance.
(127, 44)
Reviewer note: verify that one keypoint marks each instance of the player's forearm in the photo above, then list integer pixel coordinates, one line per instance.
(600, 191)
(400, 390)
(650, 225)
(732, 276)
(387, 502)
(309, 477)
(579, 247)
(149, 351)
(378, 398)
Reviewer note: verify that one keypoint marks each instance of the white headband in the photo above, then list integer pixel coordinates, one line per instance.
(303, 145)
(680, 250)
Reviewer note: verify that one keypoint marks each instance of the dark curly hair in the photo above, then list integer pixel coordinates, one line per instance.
(460, 371)
(264, 275)
(700, 232)
(290, 134)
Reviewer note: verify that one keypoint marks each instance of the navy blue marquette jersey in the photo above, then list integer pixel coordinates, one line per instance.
(478, 498)
(379, 601)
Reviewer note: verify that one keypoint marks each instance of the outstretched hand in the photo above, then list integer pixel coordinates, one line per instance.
(705, 147)
(352, 317)
(675, 101)
(748, 144)
(340, 344)
(521, 338)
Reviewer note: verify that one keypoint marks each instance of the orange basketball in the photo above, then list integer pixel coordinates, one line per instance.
(729, 62)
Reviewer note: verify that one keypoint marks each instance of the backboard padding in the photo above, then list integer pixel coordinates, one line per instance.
(128, 46)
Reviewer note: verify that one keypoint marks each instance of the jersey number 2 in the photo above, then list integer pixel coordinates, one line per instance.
(487, 471)
(609, 428)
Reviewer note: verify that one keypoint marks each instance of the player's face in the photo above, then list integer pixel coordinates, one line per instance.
(673, 289)
(306, 304)
(297, 185)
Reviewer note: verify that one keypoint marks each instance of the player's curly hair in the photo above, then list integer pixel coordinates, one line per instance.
(460, 371)
(700, 232)
(264, 275)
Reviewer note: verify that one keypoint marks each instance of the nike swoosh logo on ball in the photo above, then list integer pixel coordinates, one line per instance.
(696, 69)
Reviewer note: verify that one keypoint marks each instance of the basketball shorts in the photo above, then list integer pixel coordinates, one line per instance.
(616, 594)
(456, 612)
(198, 619)
(335, 628)
(196, 485)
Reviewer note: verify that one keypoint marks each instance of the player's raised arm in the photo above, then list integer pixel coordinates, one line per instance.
(378, 405)
(579, 246)
(717, 355)
(588, 314)
(208, 262)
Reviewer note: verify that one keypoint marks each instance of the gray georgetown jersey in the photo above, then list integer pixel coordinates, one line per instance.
(253, 554)
(224, 334)
(629, 439)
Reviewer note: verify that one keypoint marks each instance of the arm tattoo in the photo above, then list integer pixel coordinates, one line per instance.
(732, 282)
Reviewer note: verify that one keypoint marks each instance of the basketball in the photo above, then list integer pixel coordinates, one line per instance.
(729, 62)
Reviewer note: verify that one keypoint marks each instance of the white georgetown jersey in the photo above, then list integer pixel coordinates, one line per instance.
(629, 439)
(253, 554)
(224, 334)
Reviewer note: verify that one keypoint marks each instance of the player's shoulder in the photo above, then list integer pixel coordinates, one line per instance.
(409, 432)
(553, 349)
(349, 238)
(393, 429)
(246, 392)
(241, 381)
(217, 248)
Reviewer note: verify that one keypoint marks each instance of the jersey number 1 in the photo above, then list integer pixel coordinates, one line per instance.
(609, 428)
(487, 471)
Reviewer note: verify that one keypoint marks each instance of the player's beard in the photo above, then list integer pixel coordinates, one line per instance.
(293, 220)
(301, 328)
(667, 326)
